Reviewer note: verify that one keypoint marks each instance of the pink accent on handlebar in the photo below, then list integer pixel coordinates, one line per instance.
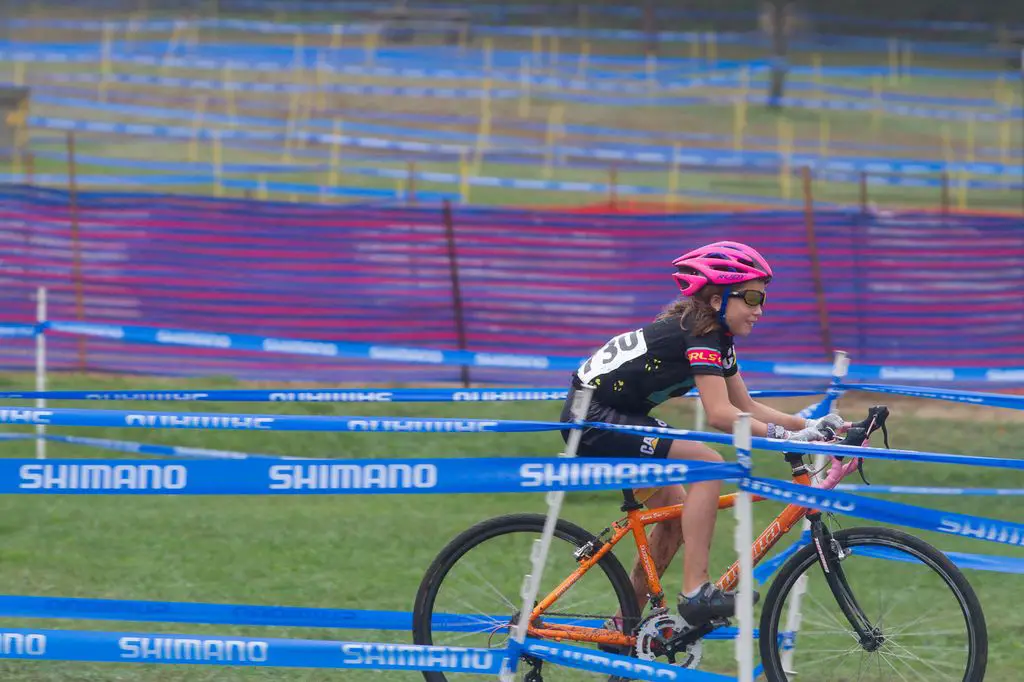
(837, 471)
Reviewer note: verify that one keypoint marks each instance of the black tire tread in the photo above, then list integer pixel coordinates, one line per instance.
(798, 563)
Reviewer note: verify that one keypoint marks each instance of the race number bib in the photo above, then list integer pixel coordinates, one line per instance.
(614, 354)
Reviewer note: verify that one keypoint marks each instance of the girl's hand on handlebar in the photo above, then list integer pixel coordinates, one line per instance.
(829, 424)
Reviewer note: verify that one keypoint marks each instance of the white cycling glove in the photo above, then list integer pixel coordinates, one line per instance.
(832, 421)
(805, 435)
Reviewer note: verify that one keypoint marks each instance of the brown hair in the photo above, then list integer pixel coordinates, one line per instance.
(695, 312)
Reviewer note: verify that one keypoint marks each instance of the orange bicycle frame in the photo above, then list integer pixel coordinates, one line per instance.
(635, 522)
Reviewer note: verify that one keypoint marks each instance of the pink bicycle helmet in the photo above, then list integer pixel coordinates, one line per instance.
(722, 263)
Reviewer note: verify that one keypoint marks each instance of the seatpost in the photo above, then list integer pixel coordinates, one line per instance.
(630, 502)
(796, 462)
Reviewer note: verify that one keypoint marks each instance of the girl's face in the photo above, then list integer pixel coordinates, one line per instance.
(740, 316)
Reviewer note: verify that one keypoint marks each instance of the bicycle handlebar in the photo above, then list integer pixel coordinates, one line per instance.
(860, 431)
(855, 436)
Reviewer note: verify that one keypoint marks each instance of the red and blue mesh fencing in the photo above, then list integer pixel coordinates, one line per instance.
(900, 291)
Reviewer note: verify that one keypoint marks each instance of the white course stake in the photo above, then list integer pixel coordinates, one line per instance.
(744, 542)
(539, 552)
(840, 367)
(40, 369)
(700, 417)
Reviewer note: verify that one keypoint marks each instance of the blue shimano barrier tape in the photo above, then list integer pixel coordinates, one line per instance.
(776, 445)
(927, 490)
(15, 606)
(339, 395)
(949, 523)
(17, 436)
(1015, 402)
(614, 665)
(15, 331)
(231, 614)
(328, 349)
(434, 356)
(264, 422)
(152, 449)
(846, 167)
(978, 562)
(363, 424)
(139, 647)
(334, 477)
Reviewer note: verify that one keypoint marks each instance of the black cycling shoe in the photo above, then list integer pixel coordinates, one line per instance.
(711, 603)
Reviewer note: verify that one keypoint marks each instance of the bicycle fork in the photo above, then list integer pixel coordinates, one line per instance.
(830, 557)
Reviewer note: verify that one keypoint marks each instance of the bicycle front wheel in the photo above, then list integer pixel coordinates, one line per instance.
(471, 591)
(928, 618)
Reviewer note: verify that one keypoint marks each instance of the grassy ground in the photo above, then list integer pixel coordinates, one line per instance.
(370, 552)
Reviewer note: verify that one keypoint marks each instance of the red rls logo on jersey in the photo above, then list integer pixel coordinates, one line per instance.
(704, 356)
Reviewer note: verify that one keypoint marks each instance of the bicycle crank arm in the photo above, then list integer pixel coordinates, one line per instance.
(870, 637)
(678, 643)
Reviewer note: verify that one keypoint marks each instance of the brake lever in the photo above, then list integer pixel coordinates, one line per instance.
(860, 460)
(885, 440)
(860, 470)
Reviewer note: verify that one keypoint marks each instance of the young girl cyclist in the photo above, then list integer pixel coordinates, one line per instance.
(688, 345)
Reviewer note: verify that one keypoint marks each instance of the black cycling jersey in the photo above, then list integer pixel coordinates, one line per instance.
(636, 371)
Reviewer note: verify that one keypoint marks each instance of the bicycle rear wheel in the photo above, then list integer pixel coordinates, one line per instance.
(475, 583)
(929, 618)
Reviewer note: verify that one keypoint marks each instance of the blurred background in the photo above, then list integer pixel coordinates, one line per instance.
(284, 168)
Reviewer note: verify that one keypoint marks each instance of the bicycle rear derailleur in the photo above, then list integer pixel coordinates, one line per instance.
(534, 673)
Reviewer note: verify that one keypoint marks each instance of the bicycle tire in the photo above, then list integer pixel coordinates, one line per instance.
(496, 527)
(884, 538)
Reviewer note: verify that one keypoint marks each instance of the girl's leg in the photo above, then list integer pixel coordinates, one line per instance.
(698, 522)
(665, 539)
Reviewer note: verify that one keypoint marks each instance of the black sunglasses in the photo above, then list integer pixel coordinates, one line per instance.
(751, 297)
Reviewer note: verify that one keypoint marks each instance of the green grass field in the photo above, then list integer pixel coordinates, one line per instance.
(370, 552)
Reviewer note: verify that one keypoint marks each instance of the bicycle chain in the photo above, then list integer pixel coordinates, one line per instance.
(575, 615)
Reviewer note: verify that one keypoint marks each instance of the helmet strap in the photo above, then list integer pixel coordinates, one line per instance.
(721, 310)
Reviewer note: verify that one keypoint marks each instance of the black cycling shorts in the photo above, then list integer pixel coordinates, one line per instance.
(607, 443)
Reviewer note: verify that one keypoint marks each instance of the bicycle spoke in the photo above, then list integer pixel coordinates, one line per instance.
(860, 668)
(460, 636)
(582, 606)
(477, 586)
(842, 625)
(842, 653)
(918, 675)
(811, 627)
(487, 583)
(901, 634)
(924, 618)
(485, 617)
(926, 637)
(888, 610)
(912, 656)
(883, 659)
(878, 664)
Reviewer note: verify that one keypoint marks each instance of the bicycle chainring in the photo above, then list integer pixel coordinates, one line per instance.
(654, 634)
